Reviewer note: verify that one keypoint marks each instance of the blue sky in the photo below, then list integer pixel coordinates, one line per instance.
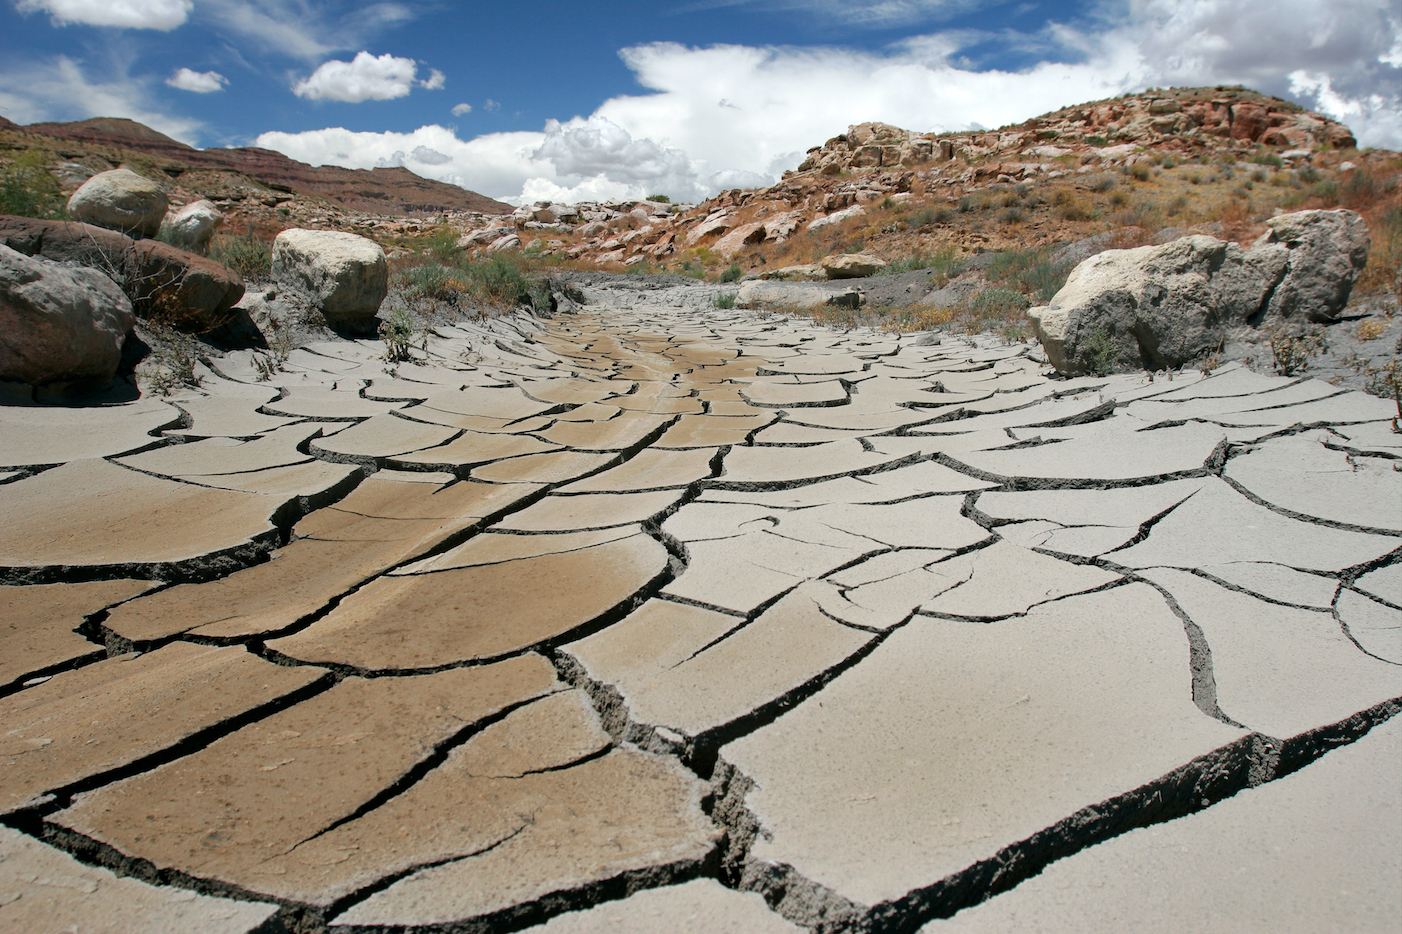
(572, 101)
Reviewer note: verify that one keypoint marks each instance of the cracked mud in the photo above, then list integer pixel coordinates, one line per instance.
(662, 617)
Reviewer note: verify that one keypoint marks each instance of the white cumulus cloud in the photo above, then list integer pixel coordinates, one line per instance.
(460, 109)
(435, 80)
(733, 115)
(365, 77)
(164, 15)
(201, 82)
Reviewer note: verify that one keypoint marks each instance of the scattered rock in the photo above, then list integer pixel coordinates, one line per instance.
(851, 265)
(164, 283)
(1327, 251)
(59, 324)
(804, 272)
(192, 226)
(120, 200)
(343, 275)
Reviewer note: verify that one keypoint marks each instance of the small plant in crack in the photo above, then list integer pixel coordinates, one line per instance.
(1292, 350)
(171, 366)
(400, 337)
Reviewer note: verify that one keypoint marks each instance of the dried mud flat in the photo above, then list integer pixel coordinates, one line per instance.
(658, 617)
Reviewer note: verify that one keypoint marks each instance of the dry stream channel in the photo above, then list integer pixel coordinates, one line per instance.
(656, 616)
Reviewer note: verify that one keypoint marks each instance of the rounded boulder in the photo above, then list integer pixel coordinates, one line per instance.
(343, 275)
(59, 324)
(120, 200)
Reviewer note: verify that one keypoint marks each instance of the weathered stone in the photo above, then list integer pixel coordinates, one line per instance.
(1327, 250)
(1164, 306)
(758, 293)
(192, 226)
(43, 889)
(59, 325)
(84, 723)
(120, 200)
(343, 275)
(851, 265)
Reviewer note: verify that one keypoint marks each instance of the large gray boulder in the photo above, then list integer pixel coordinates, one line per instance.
(851, 265)
(1327, 250)
(120, 200)
(59, 324)
(1164, 306)
(760, 293)
(343, 275)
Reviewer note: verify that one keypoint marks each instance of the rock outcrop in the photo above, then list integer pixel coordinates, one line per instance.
(343, 275)
(163, 283)
(120, 200)
(59, 324)
(760, 293)
(851, 265)
(1163, 306)
(192, 226)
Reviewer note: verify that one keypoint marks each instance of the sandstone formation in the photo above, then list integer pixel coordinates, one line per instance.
(120, 200)
(1160, 307)
(851, 265)
(192, 226)
(342, 275)
(163, 283)
(59, 325)
(658, 614)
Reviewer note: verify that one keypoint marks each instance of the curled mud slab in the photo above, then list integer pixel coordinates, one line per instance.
(657, 615)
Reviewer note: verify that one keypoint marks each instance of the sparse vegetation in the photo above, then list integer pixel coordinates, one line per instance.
(399, 334)
(246, 255)
(724, 300)
(1292, 349)
(29, 189)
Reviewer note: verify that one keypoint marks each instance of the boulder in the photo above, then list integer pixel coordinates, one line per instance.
(1327, 252)
(508, 242)
(59, 324)
(1164, 306)
(183, 290)
(760, 293)
(164, 283)
(484, 236)
(120, 200)
(192, 226)
(804, 272)
(344, 275)
(851, 265)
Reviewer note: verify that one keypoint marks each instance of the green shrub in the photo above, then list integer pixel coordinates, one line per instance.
(246, 255)
(399, 334)
(1099, 142)
(725, 300)
(732, 274)
(1014, 215)
(660, 199)
(1268, 158)
(29, 189)
(431, 280)
(925, 217)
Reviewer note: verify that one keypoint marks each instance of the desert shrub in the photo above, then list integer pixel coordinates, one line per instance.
(1072, 208)
(967, 204)
(1139, 171)
(1258, 175)
(1100, 353)
(734, 273)
(430, 280)
(1268, 158)
(399, 334)
(724, 300)
(1369, 330)
(1099, 142)
(660, 199)
(1014, 215)
(29, 189)
(1104, 182)
(1291, 350)
(1308, 174)
(925, 217)
(246, 255)
(171, 364)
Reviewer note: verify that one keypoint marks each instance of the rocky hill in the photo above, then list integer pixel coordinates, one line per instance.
(105, 142)
(1139, 167)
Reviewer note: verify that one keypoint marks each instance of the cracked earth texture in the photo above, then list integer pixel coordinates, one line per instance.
(659, 617)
